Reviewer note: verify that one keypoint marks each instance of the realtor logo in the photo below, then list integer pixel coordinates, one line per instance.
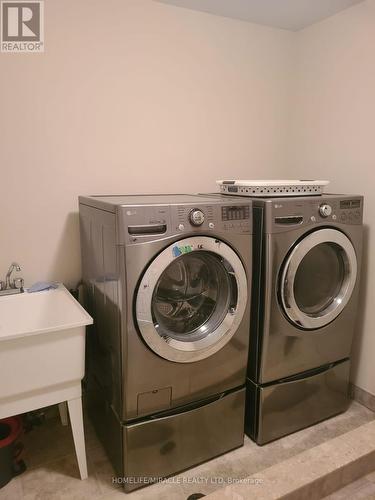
(22, 26)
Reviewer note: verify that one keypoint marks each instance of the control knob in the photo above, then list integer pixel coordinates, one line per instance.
(325, 210)
(196, 217)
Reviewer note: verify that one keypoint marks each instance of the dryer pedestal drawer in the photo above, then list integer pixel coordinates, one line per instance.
(275, 410)
(162, 446)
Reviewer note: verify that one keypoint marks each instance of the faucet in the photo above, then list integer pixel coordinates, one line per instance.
(14, 286)
(13, 266)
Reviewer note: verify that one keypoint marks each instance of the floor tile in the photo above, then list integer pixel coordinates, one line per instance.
(360, 489)
(47, 442)
(59, 480)
(12, 490)
(52, 470)
(52, 441)
(103, 470)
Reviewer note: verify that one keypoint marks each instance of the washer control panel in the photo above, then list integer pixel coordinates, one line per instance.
(228, 217)
(152, 218)
(238, 212)
(196, 217)
(235, 216)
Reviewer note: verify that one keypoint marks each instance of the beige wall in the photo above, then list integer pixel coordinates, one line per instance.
(333, 137)
(130, 96)
(140, 96)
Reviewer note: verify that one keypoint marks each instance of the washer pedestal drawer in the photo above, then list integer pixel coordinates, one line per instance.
(283, 407)
(164, 445)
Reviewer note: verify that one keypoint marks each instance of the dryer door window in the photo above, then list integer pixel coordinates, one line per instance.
(318, 278)
(191, 299)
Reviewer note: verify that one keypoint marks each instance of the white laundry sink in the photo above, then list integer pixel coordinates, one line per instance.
(42, 357)
(42, 347)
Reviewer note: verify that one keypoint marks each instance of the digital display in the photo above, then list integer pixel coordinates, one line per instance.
(350, 204)
(235, 213)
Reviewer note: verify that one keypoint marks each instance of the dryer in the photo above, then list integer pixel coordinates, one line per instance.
(307, 257)
(167, 280)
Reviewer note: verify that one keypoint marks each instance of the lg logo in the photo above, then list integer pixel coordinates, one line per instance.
(22, 26)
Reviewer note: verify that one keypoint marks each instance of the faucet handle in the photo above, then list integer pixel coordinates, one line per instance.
(14, 265)
(18, 283)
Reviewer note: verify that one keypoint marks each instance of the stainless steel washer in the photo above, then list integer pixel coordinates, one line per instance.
(167, 280)
(307, 255)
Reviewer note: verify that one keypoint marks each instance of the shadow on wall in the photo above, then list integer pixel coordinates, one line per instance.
(66, 266)
(362, 304)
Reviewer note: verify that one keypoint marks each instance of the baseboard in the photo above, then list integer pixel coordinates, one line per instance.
(363, 397)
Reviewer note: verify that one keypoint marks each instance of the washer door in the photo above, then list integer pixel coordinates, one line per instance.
(191, 299)
(318, 278)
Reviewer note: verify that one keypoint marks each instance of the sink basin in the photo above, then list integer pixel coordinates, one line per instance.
(42, 349)
(42, 357)
(27, 314)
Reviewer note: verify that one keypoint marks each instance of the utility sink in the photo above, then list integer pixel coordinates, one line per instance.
(26, 314)
(42, 343)
(42, 356)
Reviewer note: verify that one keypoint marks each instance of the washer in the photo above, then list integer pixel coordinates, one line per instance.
(167, 280)
(307, 256)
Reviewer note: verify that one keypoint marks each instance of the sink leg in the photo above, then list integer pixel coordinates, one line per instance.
(63, 410)
(76, 420)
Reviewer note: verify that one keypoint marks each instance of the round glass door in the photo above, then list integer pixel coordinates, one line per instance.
(191, 299)
(318, 278)
(192, 296)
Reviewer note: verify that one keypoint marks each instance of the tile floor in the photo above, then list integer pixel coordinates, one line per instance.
(52, 472)
(363, 488)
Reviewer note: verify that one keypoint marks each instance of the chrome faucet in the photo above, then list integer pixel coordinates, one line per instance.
(14, 286)
(13, 266)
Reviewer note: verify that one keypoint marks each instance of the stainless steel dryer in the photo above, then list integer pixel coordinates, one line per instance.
(168, 281)
(306, 276)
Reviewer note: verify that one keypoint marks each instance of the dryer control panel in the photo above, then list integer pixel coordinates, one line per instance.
(351, 211)
(283, 214)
